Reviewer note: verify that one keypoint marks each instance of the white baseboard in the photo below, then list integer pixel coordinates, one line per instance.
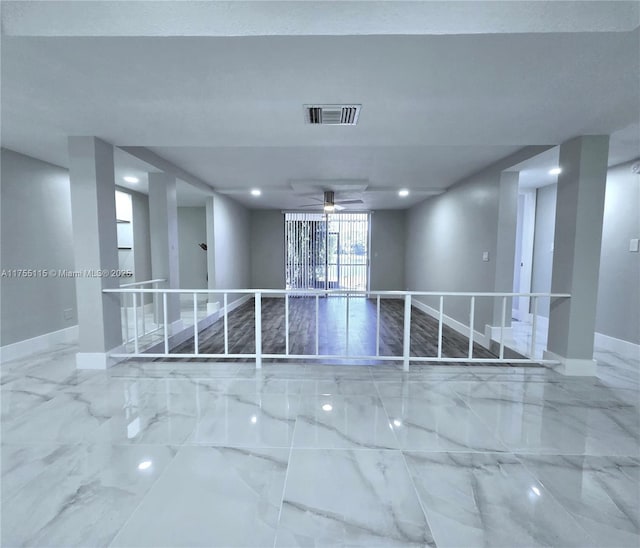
(99, 360)
(41, 343)
(601, 341)
(217, 308)
(572, 367)
(480, 338)
(493, 332)
(176, 327)
(236, 304)
(619, 346)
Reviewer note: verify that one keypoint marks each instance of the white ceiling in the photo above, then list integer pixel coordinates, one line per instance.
(308, 18)
(127, 165)
(472, 83)
(534, 172)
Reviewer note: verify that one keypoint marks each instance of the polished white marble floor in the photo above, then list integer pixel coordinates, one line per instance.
(195, 454)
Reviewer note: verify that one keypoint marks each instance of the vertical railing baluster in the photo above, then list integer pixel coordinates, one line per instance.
(440, 319)
(135, 324)
(502, 320)
(406, 349)
(471, 322)
(166, 323)
(195, 323)
(226, 324)
(125, 300)
(156, 306)
(378, 325)
(258, 315)
(317, 327)
(144, 327)
(533, 327)
(286, 323)
(347, 324)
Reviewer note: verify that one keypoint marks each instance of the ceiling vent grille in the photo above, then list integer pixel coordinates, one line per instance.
(334, 115)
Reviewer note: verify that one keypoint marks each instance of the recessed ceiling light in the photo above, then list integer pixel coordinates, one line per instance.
(130, 179)
(327, 407)
(555, 171)
(403, 193)
(256, 192)
(144, 465)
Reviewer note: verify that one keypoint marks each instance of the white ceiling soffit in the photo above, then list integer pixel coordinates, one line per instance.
(314, 185)
(535, 171)
(267, 18)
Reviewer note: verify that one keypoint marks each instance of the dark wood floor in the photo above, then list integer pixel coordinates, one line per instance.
(332, 330)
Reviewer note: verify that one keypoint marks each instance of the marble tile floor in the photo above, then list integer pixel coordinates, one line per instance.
(205, 454)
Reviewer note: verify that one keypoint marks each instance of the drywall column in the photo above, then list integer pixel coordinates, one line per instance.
(505, 252)
(213, 300)
(163, 225)
(141, 241)
(576, 262)
(95, 246)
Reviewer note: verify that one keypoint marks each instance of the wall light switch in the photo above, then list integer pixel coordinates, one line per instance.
(485, 256)
(68, 314)
(634, 245)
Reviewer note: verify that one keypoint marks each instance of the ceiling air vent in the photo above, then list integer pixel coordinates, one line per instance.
(334, 115)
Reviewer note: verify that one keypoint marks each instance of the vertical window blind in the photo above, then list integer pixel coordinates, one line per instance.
(327, 251)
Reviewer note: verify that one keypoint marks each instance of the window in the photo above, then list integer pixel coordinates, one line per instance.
(327, 251)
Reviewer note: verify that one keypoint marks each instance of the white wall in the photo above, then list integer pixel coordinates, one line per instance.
(141, 240)
(543, 243)
(618, 312)
(232, 242)
(192, 230)
(267, 249)
(36, 234)
(447, 235)
(387, 250)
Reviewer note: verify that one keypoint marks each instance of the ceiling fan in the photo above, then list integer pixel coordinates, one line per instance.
(329, 203)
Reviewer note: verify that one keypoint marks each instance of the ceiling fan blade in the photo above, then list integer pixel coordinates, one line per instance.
(310, 205)
(347, 202)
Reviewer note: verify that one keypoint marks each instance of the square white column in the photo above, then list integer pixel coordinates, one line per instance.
(163, 224)
(576, 261)
(95, 245)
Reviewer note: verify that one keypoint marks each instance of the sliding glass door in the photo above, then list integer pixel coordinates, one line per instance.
(327, 251)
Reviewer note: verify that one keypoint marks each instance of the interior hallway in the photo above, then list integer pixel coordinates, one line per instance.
(213, 454)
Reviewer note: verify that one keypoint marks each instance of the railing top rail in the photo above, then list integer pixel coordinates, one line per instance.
(312, 292)
(146, 282)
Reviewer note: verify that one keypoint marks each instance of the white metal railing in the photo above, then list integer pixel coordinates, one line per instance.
(258, 354)
(134, 305)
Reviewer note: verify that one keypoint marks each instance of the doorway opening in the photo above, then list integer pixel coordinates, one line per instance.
(523, 265)
(327, 251)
